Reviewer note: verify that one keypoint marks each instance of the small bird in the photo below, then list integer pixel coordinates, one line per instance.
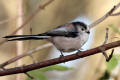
(66, 38)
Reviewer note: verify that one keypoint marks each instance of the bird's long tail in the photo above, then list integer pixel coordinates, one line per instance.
(26, 37)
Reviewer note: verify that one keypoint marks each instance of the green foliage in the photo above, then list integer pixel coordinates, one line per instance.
(118, 57)
(39, 73)
(112, 63)
(105, 76)
(114, 28)
(55, 67)
(110, 66)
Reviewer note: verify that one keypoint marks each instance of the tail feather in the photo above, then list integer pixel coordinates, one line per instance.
(14, 36)
(25, 37)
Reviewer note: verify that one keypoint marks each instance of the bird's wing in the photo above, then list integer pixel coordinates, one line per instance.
(67, 30)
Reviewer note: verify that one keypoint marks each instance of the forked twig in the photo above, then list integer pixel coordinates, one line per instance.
(102, 49)
(31, 77)
(109, 13)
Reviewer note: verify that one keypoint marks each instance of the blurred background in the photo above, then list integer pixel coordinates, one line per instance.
(13, 13)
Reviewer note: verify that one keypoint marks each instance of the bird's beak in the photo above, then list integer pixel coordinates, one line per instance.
(87, 31)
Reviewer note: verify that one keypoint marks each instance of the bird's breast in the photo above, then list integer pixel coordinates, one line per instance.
(68, 44)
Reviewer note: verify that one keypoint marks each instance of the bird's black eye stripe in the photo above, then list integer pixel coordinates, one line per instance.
(83, 29)
(81, 24)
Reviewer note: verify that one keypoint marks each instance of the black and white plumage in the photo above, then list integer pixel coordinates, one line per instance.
(68, 37)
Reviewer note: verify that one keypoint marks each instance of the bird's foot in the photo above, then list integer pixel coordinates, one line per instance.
(62, 55)
(79, 51)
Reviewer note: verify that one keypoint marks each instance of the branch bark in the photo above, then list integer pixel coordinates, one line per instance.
(54, 61)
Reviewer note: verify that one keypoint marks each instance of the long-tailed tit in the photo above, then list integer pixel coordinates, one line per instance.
(66, 38)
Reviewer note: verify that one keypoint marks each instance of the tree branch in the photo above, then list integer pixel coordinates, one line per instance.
(54, 61)
(109, 13)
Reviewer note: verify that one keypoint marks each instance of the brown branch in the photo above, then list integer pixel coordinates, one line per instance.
(109, 13)
(54, 61)
(29, 18)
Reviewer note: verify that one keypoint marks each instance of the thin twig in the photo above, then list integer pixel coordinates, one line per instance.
(33, 59)
(31, 77)
(29, 19)
(27, 53)
(118, 13)
(111, 54)
(106, 37)
(109, 13)
(102, 49)
(54, 61)
(115, 14)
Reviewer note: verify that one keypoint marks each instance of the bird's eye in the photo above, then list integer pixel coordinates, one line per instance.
(82, 29)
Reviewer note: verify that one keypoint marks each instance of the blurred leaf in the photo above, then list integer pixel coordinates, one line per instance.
(115, 29)
(112, 63)
(55, 67)
(118, 56)
(105, 76)
(37, 75)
